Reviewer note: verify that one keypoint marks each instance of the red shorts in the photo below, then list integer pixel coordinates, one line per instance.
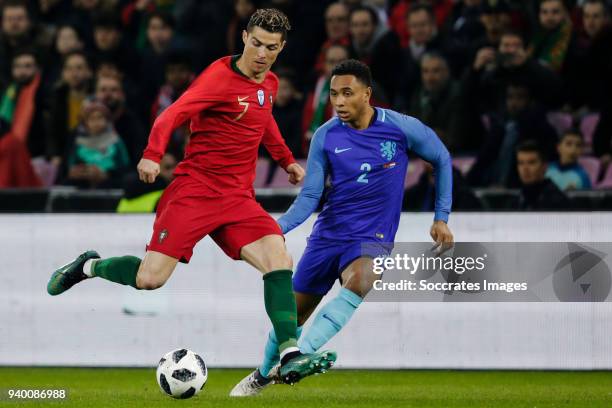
(188, 211)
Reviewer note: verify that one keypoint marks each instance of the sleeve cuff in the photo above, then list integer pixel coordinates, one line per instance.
(285, 162)
(282, 225)
(156, 157)
(441, 216)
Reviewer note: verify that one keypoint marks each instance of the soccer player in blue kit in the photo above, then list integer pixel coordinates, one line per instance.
(364, 151)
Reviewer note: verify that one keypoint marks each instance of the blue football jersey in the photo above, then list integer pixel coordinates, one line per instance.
(367, 169)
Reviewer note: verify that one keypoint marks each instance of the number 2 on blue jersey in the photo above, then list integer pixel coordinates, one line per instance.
(365, 167)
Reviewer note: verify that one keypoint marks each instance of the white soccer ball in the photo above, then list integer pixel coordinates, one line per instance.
(181, 373)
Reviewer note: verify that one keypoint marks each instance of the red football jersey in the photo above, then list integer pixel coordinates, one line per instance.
(230, 116)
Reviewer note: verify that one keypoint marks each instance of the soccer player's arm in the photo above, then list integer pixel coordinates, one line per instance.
(423, 141)
(307, 201)
(201, 95)
(276, 146)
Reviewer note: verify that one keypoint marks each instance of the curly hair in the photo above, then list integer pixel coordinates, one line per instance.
(271, 20)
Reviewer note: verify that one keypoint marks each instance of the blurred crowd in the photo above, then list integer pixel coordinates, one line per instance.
(81, 82)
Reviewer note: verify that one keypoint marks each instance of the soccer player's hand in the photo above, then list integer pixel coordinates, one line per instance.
(147, 170)
(296, 173)
(442, 236)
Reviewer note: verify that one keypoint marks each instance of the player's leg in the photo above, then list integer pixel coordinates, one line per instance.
(315, 275)
(269, 255)
(186, 227)
(306, 304)
(149, 273)
(249, 233)
(268, 372)
(358, 278)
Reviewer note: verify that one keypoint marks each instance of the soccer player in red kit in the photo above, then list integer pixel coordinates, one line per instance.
(230, 109)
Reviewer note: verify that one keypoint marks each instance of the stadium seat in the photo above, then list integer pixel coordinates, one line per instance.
(463, 164)
(592, 167)
(560, 121)
(280, 179)
(46, 171)
(606, 182)
(587, 128)
(415, 170)
(261, 173)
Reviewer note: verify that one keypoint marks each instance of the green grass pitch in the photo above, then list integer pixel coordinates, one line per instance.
(111, 388)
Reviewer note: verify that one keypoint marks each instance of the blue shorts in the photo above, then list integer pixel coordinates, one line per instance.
(324, 261)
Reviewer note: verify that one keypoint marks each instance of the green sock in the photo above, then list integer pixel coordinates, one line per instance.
(280, 306)
(121, 269)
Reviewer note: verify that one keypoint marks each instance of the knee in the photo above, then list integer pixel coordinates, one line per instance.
(285, 261)
(277, 260)
(358, 283)
(147, 280)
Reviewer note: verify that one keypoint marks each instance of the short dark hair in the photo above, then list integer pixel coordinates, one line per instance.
(15, 3)
(422, 7)
(356, 68)
(603, 3)
(77, 53)
(165, 17)
(563, 3)
(531, 146)
(435, 55)
(107, 20)
(367, 9)
(26, 51)
(512, 32)
(572, 131)
(271, 20)
(179, 58)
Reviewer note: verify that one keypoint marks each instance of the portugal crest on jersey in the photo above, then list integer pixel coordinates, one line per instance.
(261, 97)
(387, 149)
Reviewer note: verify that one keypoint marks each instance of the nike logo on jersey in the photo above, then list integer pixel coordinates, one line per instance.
(337, 151)
(241, 102)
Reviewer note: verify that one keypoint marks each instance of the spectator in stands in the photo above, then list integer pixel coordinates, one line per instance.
(495, 18)
(242, 12)
(110, 45)
(82, 14)
(136, 14)
(436, 100)
(287, 111)
(591, 64)
(537, 192)
(462, 31)
(22, 132)
(142, 197)
(179, 76)
(22, 103)
(566, 172)
(99, 157)
(109, 90)
(423, 38)
(551, 42)
(65, 104)
(422, 196)
(397, 17)
(602, 138)
(376, 46)
(337, 30)
(67, 40)
(522, 119)
(18, 32)
(492, 70)
(317, 107)
(161, 41)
